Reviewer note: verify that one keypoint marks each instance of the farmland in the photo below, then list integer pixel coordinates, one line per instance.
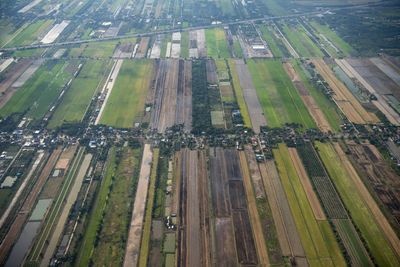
(280, 100)
(128, 96)
(374, 238)
(239, 93)
(316, 248)
(199, 133)
(332, 204)
(30, 33)
(75, 102)
(40, 91)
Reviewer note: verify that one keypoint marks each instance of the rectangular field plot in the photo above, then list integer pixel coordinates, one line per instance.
(40, 91)
(229, 198)
(374, 237)
(194, 237)
(315, 246)
(255, 109)
(30, 33)
(128, 96)
(76, 100)
(225, 244)
(280, 101)
(170, 94)
(219, 178)
(244, 238)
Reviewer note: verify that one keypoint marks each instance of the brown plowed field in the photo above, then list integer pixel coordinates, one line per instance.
(182, 174)
(237, 195)
(349, 104)
(380, 176)
(206, 250)
(250, 96)
(219, 181)
(194, 245)
(142, 50)
(246, 250)
(305, 181)
(211, 69)
(253, 213)
(288, 235)
(170, 91)
(6, 91)
(310, 103)
(193, 215)
(232, 165)
(255, 173)
(19, 222)
(225, 244)
(375, 211)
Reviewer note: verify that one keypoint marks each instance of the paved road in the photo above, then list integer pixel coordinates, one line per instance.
(187, 29)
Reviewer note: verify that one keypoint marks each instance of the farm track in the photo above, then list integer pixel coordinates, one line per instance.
(250, 95)
(54, 211)
(135, 227)
(370, 202)
(19, 222)
(253, 212)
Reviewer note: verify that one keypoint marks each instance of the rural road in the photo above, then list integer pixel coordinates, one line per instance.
(186, 29)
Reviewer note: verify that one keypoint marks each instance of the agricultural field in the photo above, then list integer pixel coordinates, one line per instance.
(333, 205)
(128, 96)
(38, 93)
(239, 93)
(100, 244)
(199, 133)
(30, 34)
(217, 46)
(280, 101)
(84, 87)
(332, 39)
(375, 240)
(315, 246)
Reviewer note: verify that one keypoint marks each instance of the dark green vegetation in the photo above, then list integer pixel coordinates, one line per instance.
(201, 102)
(369, 30)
